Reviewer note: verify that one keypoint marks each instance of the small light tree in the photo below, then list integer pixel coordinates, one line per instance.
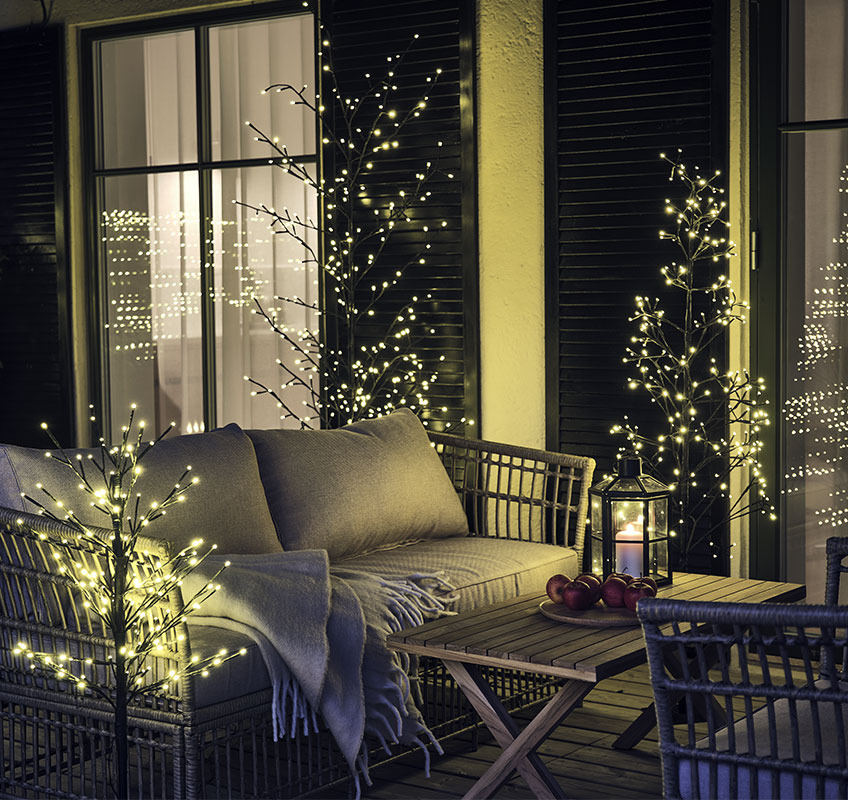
(121, 582)
(711, 415)
(360, 367)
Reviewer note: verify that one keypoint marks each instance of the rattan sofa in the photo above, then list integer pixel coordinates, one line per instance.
(526, 512)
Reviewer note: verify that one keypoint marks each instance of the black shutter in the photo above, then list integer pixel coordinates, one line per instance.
(364, 34)
(626, 81)
(34, 330)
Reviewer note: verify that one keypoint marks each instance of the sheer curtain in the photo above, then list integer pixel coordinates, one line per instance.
(150, 223)
(814, 416)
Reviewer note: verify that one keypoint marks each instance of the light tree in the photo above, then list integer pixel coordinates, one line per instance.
(123, 578)
(710, 416)
(358, 364)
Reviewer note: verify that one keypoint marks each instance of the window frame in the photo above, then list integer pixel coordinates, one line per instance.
(769, 131)
(92, 180)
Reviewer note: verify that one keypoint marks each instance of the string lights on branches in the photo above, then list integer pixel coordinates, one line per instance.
(366, 362)
(122, 578)
(711, 416)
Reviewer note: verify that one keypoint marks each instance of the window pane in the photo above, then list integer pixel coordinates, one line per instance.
(814, 416)
(244, 60)
(253, 263)
(150, 239)
(817, 73)
(147, 100)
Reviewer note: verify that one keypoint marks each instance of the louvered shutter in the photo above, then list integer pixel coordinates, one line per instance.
(365, 33)
(34, 331)
(632, 79)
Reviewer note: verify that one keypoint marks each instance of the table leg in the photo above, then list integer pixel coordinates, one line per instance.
(645, 722)
(518, 747)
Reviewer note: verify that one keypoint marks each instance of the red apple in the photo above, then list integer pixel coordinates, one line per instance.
(555, 586)
(612, 591)
(651, 582)
(637, 590)
(623, 575)
(593, 582)
(578, 596)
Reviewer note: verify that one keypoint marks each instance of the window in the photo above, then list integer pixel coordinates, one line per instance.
(802, 275)
(179, 261)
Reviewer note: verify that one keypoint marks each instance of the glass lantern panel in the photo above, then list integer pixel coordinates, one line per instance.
(597, 540)
(627, 485)
(658, 547)
(628, 530)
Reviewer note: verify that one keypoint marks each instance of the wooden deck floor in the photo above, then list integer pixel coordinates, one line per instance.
(579, 753)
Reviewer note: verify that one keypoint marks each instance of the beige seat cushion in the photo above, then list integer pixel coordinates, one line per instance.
(483, 570)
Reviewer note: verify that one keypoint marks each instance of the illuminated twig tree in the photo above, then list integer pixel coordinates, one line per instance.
(711, 415)
(356, 369)
(120, 581)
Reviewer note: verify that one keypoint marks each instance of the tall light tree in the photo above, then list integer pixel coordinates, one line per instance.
(710, 416)
(358, 364)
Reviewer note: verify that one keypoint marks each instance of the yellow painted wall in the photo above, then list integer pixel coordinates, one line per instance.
(511, 220)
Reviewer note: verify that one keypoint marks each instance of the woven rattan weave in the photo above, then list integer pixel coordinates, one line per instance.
(57, 742)
(751, 699)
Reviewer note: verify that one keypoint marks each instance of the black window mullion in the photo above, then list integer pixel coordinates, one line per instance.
(207, 262)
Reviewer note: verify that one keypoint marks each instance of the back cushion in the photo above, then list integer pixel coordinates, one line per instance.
(369, 485)
(227, 507)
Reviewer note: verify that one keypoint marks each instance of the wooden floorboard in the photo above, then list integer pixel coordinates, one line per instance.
(579, 753)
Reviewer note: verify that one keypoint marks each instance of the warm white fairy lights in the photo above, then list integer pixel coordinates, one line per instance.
(372, 364)
(117, 577)
(815, 412)
(699, 399)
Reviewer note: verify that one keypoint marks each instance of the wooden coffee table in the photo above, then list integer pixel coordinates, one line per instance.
(515, 635)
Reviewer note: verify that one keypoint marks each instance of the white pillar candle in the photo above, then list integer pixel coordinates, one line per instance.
(628, 551)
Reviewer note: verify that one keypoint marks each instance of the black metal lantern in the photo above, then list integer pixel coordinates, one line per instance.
(630, 524)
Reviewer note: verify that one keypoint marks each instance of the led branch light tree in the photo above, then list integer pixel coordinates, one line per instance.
(123, 579)
(368, 365)
(711, 415)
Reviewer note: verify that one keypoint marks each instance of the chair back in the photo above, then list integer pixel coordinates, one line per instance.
(837, 552)
(741, 708)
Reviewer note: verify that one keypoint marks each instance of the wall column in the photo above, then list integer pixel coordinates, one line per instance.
(510, 126)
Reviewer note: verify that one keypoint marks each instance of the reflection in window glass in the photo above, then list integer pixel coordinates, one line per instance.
(253, 263)
(815, 410)
(151, 224)
(817, 73)
(147, 101)
(150, 239)
(247, 58)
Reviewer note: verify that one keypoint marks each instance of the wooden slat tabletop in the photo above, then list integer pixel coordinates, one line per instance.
(514, 633)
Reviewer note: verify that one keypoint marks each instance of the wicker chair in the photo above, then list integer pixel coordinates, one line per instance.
(57, 742)
(760, 717)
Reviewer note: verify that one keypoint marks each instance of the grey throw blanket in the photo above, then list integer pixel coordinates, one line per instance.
(322, 633)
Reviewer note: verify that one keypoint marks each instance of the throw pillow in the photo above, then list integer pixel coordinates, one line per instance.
(369, 485)
(227, 506)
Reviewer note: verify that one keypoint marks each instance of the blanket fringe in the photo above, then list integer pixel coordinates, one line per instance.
(408, 601)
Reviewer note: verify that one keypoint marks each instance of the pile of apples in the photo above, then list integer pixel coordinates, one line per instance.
(619, 590)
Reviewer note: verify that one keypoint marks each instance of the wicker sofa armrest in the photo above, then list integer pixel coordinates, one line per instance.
(42, 606)
(519, 492)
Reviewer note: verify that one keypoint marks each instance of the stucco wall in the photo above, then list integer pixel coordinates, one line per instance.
(511, 220)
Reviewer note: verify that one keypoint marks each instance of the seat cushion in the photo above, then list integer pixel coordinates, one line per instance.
(234, 678)
(371, 484)
(227, 507)
(483, 570)
(783, 786)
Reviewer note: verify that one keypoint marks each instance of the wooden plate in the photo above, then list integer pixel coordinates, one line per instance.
(596, 617)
